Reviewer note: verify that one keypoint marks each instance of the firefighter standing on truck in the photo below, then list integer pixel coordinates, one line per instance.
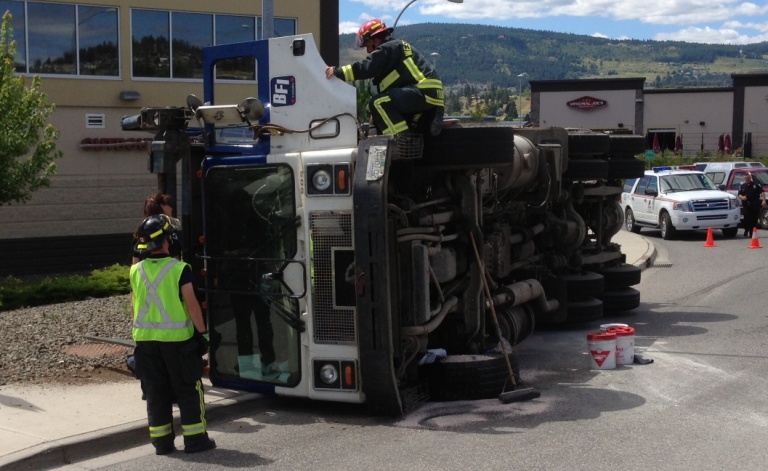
(408, 84)
(166, 316)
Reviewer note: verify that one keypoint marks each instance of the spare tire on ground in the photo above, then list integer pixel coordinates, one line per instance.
(469, 377)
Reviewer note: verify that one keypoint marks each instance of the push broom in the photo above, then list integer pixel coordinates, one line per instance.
(515, 394)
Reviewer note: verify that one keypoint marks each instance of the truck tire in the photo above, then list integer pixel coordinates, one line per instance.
(469, 377)
(584, 310)
(762, 220)
(629, 218)
(619, 276)
(584, 284)
(619, 300)
(668, 231)
(590, 169)
(626, 146)
(625, 168)
(588, 143)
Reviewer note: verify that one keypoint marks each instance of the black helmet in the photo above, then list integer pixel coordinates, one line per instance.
(152, 232)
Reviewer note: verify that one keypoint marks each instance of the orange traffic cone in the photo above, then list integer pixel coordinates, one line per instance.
(755, 244)
(710, 239)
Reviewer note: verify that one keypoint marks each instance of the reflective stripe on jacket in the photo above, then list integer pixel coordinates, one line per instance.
(158, 311)
(395, 64)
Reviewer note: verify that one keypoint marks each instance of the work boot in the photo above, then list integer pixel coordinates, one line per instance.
(200, 445)
(437, 124)
(164, 446)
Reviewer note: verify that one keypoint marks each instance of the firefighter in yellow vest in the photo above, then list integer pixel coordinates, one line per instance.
(408, 83)
(170, 333)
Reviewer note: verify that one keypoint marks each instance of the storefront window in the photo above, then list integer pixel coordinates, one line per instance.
(191, 32)
(150, 36)
(97, 41)
(52, 38)
(235, 29)
(18, 24)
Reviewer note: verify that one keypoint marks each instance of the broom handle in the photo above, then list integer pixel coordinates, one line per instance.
(493, 311)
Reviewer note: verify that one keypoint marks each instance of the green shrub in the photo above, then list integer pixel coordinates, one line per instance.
(110, 281)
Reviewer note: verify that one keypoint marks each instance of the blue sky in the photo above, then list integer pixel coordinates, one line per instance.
(699, 21)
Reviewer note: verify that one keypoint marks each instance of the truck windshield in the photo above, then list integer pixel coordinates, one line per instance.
(686, 182)
(250, 238)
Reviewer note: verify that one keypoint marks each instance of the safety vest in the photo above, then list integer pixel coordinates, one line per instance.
(158, 311)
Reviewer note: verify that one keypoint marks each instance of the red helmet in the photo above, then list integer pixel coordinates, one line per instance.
(370, 29)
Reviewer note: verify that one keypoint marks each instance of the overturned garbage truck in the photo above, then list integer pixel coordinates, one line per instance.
(332, 264)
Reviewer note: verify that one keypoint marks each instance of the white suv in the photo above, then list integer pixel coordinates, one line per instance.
(673, 200)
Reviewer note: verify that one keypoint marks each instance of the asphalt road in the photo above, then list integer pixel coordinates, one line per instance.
(701, 405)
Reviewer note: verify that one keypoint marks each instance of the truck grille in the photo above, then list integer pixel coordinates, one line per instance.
(710, 205)
(331, 232)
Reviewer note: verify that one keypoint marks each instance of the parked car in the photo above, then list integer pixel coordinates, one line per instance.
(734, 180)
(678, 200)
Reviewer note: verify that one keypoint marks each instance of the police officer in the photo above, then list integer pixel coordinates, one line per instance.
(166, 317)
(751, 194)
(407, 82)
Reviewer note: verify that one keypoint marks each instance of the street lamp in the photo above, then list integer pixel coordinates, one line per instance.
(520, 96)
(434, 56)
(411, 2)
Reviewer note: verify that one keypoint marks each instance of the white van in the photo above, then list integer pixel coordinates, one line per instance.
(719, 172)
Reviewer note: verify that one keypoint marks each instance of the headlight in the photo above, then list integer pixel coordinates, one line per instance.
(734, 203)
(321, 180)
(329, 374)
(682, 206)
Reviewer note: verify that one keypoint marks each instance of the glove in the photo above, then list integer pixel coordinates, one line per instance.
(203, 341)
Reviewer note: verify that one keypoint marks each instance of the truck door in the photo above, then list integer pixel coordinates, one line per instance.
(250, 237)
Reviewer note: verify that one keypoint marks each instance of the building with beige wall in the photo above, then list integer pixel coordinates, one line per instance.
(695, 118)
(100, 61)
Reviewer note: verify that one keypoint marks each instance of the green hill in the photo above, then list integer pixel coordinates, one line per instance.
(479, 54)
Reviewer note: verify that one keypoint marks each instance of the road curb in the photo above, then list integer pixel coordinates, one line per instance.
(111, 439)
(649, 256)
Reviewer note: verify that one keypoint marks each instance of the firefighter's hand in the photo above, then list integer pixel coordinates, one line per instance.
(203, 342)
(329, 72)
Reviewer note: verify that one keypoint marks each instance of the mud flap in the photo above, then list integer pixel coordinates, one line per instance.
(372, 277)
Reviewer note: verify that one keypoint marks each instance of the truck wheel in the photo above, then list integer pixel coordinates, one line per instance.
(625, 146)
(730, 232)
(632, 226)
(626, 168)
(668, 231)
(584, 310)
(762, 220)
(623, 299)
(586, 169)
(588, 143)
(584, 284)
(469, 377)
(619, 276)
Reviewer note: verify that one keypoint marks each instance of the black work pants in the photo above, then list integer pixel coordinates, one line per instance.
(393, 109)
(171, 372)
(243, 306)
(751, 213)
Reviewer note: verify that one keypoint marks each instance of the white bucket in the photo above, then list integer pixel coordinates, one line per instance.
(605, 327)
(625, 344)
(602, 350)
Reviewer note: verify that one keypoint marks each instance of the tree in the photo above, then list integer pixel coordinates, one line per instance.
(27, 142)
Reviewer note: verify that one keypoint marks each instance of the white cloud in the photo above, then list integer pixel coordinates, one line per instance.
(709, 35)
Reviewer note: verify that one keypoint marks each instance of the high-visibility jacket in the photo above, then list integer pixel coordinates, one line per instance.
(395, 64)
(158, 311)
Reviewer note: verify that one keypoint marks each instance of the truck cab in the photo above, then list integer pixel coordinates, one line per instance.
(334, 264)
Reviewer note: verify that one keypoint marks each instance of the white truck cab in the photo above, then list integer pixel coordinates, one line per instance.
(673, 200)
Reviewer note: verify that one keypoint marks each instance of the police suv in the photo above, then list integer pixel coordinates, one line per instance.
(678, 200)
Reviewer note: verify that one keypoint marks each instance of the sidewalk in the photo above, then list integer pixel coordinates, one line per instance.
(42, 427)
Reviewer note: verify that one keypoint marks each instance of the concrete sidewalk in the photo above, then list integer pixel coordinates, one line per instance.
(48, 426)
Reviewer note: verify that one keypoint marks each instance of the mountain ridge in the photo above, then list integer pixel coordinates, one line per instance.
(483, 54)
